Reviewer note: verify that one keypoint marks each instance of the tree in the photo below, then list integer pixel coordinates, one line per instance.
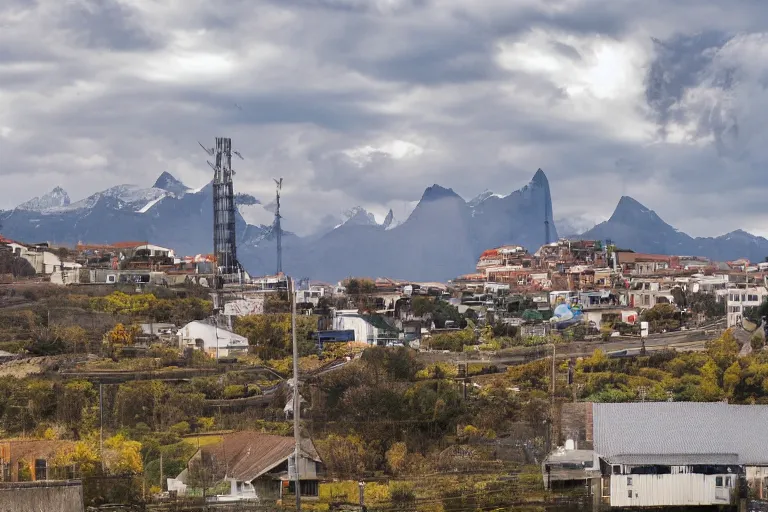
(76, 406)
(122, 456)
(723, 350)
(422, 306)
(396, 457)
(45, 342)
(270, 334)
(121, 335)
(662, 317)
(731, 378)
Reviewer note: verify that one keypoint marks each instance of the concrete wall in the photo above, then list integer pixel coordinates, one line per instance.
(37, 496)
(684, 489)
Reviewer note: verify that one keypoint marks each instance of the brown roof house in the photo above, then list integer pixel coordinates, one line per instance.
(255, 465)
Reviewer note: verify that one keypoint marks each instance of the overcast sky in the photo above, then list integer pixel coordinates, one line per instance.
(367, 102)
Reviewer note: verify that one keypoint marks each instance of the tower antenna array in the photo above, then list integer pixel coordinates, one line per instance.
(224, 231)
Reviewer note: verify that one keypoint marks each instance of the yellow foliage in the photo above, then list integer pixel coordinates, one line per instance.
(122, 456)
(122, 335)
(206, 423)
(397, 457)
(49, 434)
(84, 456)
(376, 494)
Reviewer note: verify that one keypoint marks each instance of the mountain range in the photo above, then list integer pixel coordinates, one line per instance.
(637, 227)
(441, 239)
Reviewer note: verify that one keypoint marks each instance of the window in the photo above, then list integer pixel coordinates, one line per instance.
(727, 481)
(629, 480)
(718, 481)
(617, 469)
(629, 493)
(41, 469)
(752, 298)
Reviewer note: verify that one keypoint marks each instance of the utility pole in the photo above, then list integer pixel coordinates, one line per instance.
(101, 426)
(296, 396)
(161, 471)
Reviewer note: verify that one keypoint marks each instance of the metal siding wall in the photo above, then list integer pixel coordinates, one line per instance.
(668, 490)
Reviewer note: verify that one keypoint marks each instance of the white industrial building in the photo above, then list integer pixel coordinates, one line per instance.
(213, 340)
(666, 454)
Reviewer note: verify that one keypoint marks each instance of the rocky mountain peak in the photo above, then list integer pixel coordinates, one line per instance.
(57, 197)
(166, 181)
(436, 192)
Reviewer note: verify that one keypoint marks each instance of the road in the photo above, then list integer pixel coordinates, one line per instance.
(693, 340)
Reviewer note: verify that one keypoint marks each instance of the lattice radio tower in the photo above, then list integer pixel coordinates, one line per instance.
(224, 231)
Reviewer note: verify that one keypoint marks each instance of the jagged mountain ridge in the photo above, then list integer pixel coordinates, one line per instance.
(128, 212)
(56, 198)
(440, 240)
(635, 226)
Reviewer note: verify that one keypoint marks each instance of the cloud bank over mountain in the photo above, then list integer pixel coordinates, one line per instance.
(367, 103)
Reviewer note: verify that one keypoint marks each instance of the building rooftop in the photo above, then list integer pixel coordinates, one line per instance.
(671, 430)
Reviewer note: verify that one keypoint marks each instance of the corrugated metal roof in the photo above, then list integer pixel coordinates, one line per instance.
(682, 428)
(677, 459)
(248, 455)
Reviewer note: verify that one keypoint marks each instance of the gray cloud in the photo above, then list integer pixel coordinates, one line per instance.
(369, 101)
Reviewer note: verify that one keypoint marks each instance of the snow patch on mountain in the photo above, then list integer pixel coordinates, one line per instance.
(129, 197)
(484, 195)
(150, 204)
(358, 216)
(57, 197)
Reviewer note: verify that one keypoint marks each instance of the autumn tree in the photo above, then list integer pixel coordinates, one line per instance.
(122, 456)
(76, 406)
(270, 334)
(120, 335)
(397, 458)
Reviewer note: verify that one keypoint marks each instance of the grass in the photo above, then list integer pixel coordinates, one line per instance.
(203, 440)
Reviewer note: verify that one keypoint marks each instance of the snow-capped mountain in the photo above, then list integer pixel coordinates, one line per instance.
(181, 221)
(122, 197)
(486, 194)
(56, 198)
(358, 216)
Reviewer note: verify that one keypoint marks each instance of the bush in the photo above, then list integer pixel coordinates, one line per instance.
(401, 493)
(235, 391)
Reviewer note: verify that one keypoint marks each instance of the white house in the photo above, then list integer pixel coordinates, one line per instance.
(208, 337)
(737, 299)
(369, 329)
(157, 251)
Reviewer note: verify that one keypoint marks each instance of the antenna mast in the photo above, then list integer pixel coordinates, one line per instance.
(224, 230)
(278, 227)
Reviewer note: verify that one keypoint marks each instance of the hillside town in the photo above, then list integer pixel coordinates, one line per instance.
(165, 364)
